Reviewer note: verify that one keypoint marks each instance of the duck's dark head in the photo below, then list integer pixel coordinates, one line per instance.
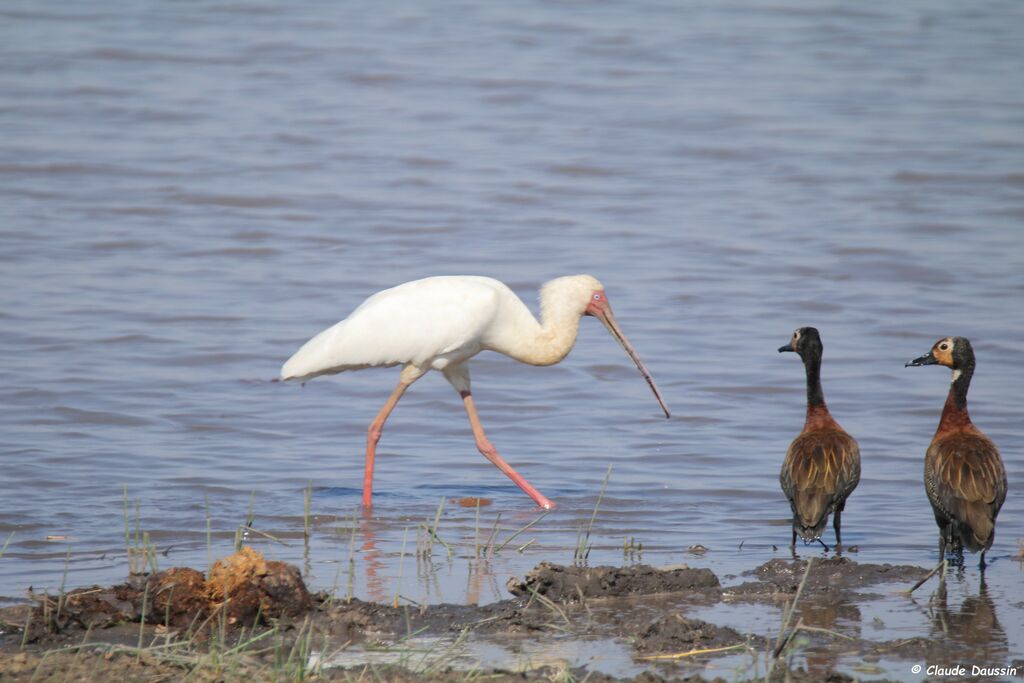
(806, 342)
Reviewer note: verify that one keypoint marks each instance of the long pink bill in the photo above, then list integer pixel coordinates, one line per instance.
(604, 314)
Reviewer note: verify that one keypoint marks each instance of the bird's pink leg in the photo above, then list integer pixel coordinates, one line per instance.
(491, 453)
(373, 436)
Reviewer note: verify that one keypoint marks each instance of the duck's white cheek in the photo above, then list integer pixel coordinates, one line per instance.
(956, 375)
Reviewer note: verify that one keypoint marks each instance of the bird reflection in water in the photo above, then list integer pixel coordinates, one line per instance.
(481, 573)
(974, 626)
(836, 617)
(374, 567)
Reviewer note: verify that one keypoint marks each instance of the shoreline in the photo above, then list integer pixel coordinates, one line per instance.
(644, 623)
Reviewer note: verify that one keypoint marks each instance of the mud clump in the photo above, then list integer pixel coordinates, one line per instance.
(86, 608)
(177, 596)
(572, 584)
(247, 588)
(676, 633)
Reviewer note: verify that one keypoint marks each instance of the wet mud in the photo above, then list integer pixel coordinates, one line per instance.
(834, 576)
(646, 609)
(572, 583)
(242, 589)
(676, 633)
(131, 669)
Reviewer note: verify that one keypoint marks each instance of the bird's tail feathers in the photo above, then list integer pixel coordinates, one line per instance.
(977, 528)
(810, 514)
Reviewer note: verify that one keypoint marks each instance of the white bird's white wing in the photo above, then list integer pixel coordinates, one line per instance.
(415, 322)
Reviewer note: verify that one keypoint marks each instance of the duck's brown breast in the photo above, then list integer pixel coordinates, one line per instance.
(826, 461)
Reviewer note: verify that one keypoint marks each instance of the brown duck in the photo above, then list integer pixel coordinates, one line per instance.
(822, 465)
(963, 474)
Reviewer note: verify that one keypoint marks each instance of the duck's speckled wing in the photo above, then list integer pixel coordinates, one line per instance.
(966, 484)
(820, 471)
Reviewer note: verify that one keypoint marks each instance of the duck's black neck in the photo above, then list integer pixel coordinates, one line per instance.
(958, 388)
(815, 396)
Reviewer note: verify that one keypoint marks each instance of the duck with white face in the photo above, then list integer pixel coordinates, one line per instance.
(964, 475)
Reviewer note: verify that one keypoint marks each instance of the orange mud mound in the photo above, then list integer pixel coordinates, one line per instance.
(247, 588)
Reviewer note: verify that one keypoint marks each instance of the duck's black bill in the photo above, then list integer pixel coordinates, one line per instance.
(926, 359)
(787, 347)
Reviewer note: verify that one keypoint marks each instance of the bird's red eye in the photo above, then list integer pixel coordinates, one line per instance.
(597, 297)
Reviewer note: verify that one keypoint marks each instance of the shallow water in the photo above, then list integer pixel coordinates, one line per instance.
(187, 193)
(427, 654)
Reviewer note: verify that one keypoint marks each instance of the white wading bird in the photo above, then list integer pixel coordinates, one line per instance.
(440, 323)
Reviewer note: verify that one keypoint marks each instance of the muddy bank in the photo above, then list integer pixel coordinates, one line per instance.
(833, 576)
(574, 584)
(646, 610)
(243, 589)
(89, 666)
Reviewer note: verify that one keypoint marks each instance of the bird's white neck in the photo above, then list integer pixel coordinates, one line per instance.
(546, 342)
(552, 341)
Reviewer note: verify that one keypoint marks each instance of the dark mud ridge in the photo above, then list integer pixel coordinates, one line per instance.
(572, 584)
(641, 607)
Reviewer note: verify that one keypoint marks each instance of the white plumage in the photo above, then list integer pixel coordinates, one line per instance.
(430, 323)
(439, 323)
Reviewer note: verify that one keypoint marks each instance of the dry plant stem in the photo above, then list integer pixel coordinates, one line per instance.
(432, 532)
(150, 553)
(691, 653)
(137, 543)
(264, 534)
(39, 666)
(525, 528)
(6, 543)
(63, 583)
(142, 618)
(25, 631)
(445, 657)
(816, 629)
(209, 534)
(307, 504)
(582, 548)
(127, 536)
(401, 561)
(940, 566)
(782, 643)
(250, 516)
(489, 546)
(351, 562)
(437, 515)
(583, 601)
(785, 641)
(550, 605)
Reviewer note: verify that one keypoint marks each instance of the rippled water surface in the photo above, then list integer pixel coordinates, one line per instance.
(189, 191)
